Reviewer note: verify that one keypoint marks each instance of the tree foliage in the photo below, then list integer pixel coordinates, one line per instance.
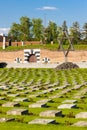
(25, 25)
(37, 29)
(75, 32)
(34, 29)
(85, 31)
(51, 32)
(21, 31)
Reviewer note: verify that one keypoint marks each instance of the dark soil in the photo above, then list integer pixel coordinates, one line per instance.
(66, 65)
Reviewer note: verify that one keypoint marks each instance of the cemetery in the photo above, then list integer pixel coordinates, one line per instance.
(39, 92)
(43, 98)
(43, 65)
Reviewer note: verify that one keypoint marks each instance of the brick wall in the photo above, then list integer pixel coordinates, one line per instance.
(10, 56)
(20, 43)
(54, 56)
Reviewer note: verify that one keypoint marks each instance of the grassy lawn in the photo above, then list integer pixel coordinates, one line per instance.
(53, 47)
(27, 82)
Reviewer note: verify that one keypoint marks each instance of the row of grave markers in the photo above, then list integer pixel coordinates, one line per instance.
(67, 104)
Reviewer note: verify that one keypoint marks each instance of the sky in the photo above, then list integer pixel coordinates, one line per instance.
(48, 10)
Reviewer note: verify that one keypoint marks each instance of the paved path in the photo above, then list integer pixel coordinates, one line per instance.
(31, 65)
(82, 64)
(41, 65)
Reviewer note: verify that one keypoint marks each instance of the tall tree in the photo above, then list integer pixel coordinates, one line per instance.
(51, 32)
(14, 32)
(64, 32)
(85, 31)
(64, 27)
(75, 32)
(21, 31)
(37, 29)
(25, 25)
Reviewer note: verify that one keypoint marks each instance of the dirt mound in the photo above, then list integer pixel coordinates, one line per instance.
(67, 65)
(3, 64)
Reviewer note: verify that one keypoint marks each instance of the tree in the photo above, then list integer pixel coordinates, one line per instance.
(64, 32)
(64, 27)
(37, 29)
(75, 32)
(14, 32)
(51, 32)
(85, 31)
(21, 31)
(25, 25)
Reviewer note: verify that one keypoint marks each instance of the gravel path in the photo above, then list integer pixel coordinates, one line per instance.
(41, 65)
(31, 65)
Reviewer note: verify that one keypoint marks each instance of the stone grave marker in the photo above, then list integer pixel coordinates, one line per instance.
(51, 113)
(10, 104)
(44, 101)
(2, 98)
(13, 95)
(62, 87)
(21, 99)
(81, 115)
(21, 88)
(4, 87)
(37, 105)
(3, 119)
(17, 112)
(65, 91)
(42, 121)
(69, 101)
(77, 87)
(34, 95)
(79, 96)
(80, 124)
(56, 96)
(67, 106)
(4, 93)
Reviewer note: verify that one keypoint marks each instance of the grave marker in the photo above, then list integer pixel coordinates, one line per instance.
(17, 112)
(21, 99)
(3, 119)
(81, 115)
(51, 113)
(42, 121)
(10, 104)
(67, 106)
(37, 105)
(80, 124)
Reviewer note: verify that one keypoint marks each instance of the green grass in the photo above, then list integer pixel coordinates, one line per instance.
(18, 126)
(43, 79)
(53, 47)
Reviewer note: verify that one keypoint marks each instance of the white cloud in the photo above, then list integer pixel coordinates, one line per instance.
(4, 31)
(47, 8)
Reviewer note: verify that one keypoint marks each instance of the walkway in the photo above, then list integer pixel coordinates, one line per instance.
(41, 65)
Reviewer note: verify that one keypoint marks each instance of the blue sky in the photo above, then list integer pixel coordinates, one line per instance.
(54, 10)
